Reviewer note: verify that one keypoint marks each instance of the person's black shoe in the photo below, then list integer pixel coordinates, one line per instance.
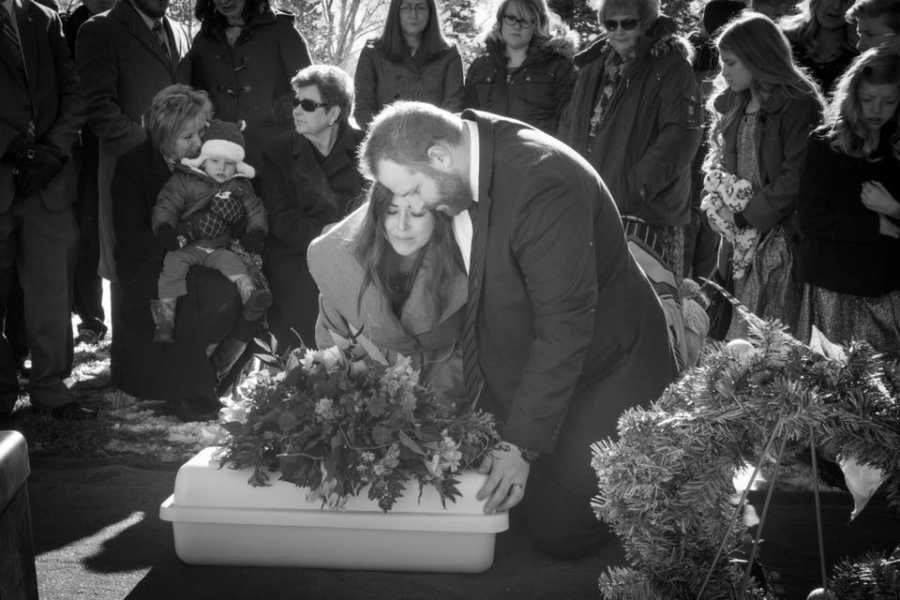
(90, 331)
(72, 411)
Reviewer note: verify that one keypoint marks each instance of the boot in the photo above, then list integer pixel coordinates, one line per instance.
(163, 312)
(256, 301)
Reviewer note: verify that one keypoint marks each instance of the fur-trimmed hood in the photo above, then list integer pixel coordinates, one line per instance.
(661, 39)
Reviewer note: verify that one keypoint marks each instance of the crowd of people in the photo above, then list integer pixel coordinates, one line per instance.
(533, 254)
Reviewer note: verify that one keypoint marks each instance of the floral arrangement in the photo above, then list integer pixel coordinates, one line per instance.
(335, 424)
(666, 485)
(727, 192)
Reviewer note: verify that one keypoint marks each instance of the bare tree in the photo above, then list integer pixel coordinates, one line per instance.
(336, 29)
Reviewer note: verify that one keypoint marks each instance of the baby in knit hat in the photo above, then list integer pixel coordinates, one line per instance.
(206, 204)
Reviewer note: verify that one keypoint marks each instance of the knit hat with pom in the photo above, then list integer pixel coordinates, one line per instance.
(223, 140)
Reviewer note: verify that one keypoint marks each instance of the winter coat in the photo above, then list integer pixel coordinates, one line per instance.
(650, 130)
(428, 338)
(535, 92)
(781, 142)
(840, 248)
(381, 79)
(208, 312)
(302, 191)
(250, 80)
(190, 192)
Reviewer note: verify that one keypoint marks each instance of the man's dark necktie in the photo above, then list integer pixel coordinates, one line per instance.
(161, 39)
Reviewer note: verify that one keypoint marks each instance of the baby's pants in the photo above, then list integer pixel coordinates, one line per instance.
(172, 280)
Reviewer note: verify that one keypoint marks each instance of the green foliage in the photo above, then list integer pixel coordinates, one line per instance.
(874, 577)
(336, 425)
(666, 484)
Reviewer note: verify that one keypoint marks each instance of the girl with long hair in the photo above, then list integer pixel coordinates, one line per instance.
(762, 112)
(526, 70)
(821, 38)
(391, 273)
(412, 60)
(849, 209)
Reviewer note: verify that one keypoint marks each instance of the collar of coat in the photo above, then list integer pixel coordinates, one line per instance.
(660, 39)
(266, 16)
(348, 138)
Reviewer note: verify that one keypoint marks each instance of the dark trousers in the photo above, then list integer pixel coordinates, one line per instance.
(37, 245)
(87, 299)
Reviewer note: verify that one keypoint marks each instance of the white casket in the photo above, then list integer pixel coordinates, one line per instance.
(219, 519)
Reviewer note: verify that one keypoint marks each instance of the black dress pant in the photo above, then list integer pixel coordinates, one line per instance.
(37, 245)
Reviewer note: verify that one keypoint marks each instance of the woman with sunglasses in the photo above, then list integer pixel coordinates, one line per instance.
(308, 179)
(526, 70)
(393, 273)
(636, 116)
(763, 110)
(412, 60)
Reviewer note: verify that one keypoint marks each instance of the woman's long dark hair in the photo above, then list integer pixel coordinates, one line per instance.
(394, 44)
(205, 11)
(373, 249)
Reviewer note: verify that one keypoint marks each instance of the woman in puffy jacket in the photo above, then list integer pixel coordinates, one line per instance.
(527, 70)
(412, 60)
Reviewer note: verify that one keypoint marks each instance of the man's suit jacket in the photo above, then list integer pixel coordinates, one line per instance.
(569, 331)
(122, 67)
(49, 97)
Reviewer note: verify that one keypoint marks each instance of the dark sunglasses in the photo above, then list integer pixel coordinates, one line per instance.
(625, 24)
(307, 104)
(514, 21)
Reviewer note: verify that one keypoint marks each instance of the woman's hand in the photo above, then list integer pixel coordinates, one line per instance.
(887, 227)
(876, 198)
(508, 474)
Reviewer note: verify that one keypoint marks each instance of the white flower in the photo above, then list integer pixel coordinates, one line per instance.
(308, 360)
(233, 411)
(331, 357)
(325, 409)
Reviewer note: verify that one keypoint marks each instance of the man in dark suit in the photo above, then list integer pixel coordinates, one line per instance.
(40, 114)
(125, 56)
(563, 330)
(87, 301)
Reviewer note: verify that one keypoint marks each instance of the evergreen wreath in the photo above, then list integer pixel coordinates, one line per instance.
(666, 485)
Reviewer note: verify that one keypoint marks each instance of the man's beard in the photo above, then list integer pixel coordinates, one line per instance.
(455, 193)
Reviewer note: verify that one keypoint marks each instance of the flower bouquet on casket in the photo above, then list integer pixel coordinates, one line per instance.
(336, 424)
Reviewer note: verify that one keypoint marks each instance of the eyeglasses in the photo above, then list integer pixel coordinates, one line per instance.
(625, 24)
(307, 104)
(514, 21)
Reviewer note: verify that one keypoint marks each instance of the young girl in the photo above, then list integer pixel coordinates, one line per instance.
(762, 113)
(849, 206)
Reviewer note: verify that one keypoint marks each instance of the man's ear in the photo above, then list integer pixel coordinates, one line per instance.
(440, 157)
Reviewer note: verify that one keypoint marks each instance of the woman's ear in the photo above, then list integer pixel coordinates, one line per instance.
(334, 113)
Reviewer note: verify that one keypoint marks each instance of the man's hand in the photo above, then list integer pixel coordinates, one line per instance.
(507, 475)
(887, 227)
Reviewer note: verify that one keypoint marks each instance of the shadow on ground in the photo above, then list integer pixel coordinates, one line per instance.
(98, 535)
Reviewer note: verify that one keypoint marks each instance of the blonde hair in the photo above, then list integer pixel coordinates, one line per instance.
(843, 117)
(765, 52)
(172, 107)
